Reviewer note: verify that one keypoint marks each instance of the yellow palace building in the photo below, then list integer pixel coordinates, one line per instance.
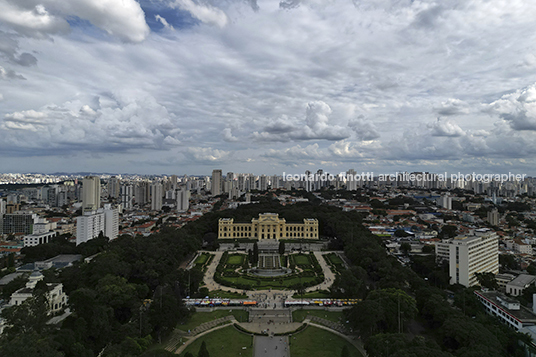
(268, 226)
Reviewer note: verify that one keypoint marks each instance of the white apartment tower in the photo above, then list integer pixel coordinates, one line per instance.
(468, 255)
(183, 199)
(91, 224)
(111, 221)
(216, 182)
(156, 196)
(91, 191)
(445, 201)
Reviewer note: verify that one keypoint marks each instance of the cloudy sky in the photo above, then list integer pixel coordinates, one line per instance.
(264, 86)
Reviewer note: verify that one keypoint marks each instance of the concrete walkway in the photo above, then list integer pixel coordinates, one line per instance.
(275, 346)
(329, 276)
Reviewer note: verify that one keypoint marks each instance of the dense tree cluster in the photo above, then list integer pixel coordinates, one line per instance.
(123, 300)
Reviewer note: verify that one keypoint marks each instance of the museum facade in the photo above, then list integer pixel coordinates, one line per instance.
(268, 226)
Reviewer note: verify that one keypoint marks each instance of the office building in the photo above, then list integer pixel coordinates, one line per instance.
(38, 238)
(18, 223)
(468, 255)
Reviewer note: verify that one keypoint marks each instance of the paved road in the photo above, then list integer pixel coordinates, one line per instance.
(265, 346)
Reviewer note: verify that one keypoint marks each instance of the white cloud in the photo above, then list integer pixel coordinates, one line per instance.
(518, 108)
(365, 130)
(444, 127)
(206, 155)
(270, 76)
(9, 74)
(31, 19)
(203, 12)
(228, 135)
(40, 18)
(163, 22)
(133, 124)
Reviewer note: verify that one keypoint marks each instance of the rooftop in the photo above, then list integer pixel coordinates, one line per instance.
(523, 314)
(523, 280)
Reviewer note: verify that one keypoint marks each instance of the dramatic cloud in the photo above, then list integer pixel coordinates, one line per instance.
(518, 108)
(117, 123)
(265, 85)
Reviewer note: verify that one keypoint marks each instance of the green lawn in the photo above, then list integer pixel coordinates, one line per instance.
(199, 318)
(235, 259)
(226, 342)
(302, 259)
(335, 259)
(201, 259)
(226, 294)
(299, 315)
(317, 342)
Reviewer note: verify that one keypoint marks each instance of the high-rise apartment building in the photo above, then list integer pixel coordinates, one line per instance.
(351, 183)
(494, 217)
(216, 182)
(263, 183)
(91, 191)
(91, 224)
(156, 196)
(113, 187)
(468, 255)
(183, 199)
(127, 196)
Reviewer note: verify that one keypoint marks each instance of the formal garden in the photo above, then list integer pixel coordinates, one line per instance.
(234, 270)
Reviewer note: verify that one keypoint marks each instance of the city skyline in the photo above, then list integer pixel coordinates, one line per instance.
(146, 87)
